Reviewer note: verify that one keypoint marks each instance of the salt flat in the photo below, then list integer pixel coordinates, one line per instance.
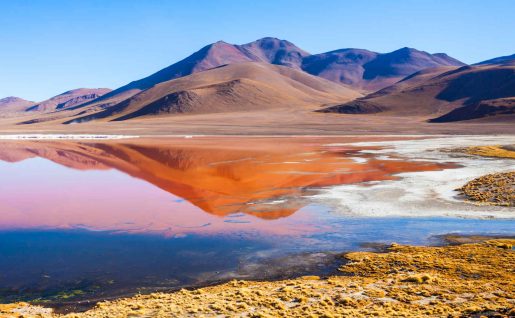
(426, 193)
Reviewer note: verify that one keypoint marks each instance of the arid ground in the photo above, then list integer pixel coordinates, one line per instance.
(270, 122)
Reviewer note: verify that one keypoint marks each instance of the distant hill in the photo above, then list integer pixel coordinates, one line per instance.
(371, 71)
(13, 104)
(69, 99)
(274, 51)
(502, 109)
(229, 88)
(498, 60)
(444, 94)
(343, 66)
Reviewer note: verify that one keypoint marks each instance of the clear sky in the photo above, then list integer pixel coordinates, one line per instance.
(51, 46)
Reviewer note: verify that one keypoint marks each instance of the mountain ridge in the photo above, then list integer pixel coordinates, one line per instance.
(268, 74)
(13, 104)
(268, 49)
(498, 60)
(444, 94)
(69, 98)
(233, 87)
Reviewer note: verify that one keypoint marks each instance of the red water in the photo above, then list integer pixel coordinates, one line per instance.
(177, 186)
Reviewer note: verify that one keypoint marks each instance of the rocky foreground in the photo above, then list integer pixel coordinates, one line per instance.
(468, 280)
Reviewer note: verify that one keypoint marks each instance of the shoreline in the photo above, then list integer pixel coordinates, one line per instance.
(400, 279)
(417, 194)
(167, 135)
(409, 152)
(64, 136)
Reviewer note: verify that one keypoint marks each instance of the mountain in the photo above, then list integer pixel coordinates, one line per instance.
(502, 109)
(444, 94)
(269, 73)
(366, 70)
(69, 99)
(14, 104)
(274, 51)
(498, 60)
(344, 66)
(270, 50)
(358, 68)
(229, 88)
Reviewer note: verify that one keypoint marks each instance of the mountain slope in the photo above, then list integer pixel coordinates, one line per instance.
(344, 66)
(462, 93)
(274, 51)
(13, 104)
(210, 56)
(498, 60)
(502, 109)
(234, 87)
(270, 50)
(69, 99)
(361, 69)
(368, 70)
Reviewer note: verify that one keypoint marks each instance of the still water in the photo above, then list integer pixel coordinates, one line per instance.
(96, 219)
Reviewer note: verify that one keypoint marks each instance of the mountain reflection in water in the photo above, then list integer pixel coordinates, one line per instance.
(228, 178)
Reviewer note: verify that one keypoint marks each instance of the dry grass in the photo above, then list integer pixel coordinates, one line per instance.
(492, 189)
(492, 151)
(453, 281)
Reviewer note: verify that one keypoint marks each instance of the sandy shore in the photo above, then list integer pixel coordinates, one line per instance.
(476, 279)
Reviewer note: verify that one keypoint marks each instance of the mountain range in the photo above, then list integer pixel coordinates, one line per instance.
(483, 91)
(234, 87)
(360, 69)
(69, 99)
(270, 74)
(59, 102)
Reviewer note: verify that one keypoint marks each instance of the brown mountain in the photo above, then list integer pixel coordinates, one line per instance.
(258, 76)
(274, 51)
(270, 50)
(344, 66)
(371, 71)
(234, 87)
(444, 94)
(13, 104)
(361, 69)
(69, 99)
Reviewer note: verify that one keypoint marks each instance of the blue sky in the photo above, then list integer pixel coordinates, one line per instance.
(52, 46)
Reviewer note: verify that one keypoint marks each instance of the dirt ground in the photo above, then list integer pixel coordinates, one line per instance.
(270, 122)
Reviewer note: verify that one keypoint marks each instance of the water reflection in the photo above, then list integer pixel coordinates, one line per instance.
(233, 178)
(220, 208)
